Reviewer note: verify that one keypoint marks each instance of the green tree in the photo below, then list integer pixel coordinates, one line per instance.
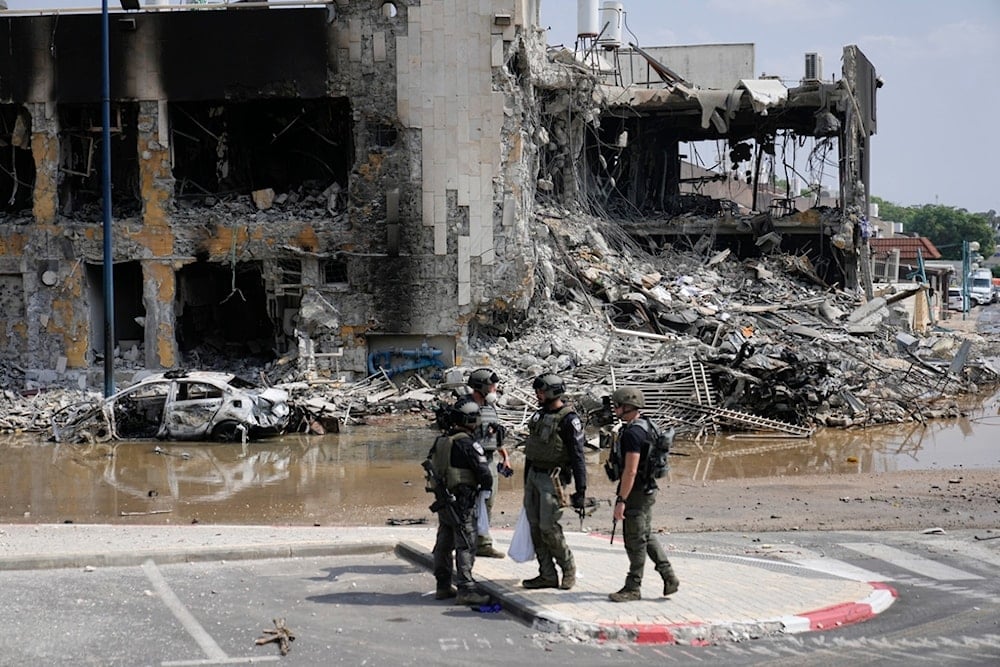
(947, 227)
(893, 212)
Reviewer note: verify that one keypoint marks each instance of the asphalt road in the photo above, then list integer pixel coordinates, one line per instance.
(377, 609)
(947, 612)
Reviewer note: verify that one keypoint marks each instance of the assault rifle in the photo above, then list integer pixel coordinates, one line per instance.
(566, 501)
(444, 499)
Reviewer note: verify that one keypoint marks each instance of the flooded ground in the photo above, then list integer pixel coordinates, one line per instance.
(368, 472)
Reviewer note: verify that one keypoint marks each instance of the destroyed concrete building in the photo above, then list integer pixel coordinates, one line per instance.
(351, 185)
(333, 180)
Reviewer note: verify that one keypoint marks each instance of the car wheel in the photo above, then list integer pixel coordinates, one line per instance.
(228, 431)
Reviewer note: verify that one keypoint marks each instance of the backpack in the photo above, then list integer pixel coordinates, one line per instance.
(653, 458)
(654, 464)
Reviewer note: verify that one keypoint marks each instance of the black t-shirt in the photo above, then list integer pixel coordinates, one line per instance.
(633, 437)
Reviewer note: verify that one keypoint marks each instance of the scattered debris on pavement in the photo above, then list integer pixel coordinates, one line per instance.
(280, 634)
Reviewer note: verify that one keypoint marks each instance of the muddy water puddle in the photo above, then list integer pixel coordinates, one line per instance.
(368, 470)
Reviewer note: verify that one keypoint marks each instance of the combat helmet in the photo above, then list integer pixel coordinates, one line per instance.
(629, 396)
(550, 384)
(481, 379)
(465, 413)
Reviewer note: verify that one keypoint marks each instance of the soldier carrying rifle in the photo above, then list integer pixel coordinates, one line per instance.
(457, 471)
(554, 456)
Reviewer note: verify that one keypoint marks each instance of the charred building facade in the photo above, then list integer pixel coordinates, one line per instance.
(329, 180)
(348, 184)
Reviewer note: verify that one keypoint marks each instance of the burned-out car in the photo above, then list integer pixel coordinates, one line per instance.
(178, 405)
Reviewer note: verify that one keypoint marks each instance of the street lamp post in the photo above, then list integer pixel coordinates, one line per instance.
(968, 247)
(109, 290)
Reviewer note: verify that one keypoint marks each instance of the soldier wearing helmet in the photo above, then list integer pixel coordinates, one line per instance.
(459, 463)
(554, 455)
(636, 495)
(483, 383)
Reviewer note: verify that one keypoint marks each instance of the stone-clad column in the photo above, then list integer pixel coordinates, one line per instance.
(45, 150)
(157, 235)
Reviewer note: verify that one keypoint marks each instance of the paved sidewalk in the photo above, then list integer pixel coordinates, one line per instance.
(721, 597)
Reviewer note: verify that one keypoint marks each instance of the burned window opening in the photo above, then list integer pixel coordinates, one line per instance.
(384, 136)
(17, 164)
(227, 148)
(224, 309)
(335, 271)
(517, 65)
(291, 274)
(81, 161)
(129, 310)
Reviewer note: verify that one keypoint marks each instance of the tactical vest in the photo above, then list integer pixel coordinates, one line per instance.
(544, 446)
(442, 462)
(487, 416)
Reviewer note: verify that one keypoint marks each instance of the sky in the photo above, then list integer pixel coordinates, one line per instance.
(938, 139)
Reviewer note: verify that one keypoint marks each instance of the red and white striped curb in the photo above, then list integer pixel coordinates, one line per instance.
(839, 615)
(836, 616)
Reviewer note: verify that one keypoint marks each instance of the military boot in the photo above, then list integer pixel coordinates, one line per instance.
(541, 582)
(445, 592)
(626, 595)
(487, 551)
(670, 584)
(470, 598)
(568, 579)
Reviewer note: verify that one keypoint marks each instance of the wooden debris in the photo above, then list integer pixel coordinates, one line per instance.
(281, 634)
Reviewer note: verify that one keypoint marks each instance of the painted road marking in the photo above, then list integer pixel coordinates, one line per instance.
(839, 568)
(216, 656)
(918, 564)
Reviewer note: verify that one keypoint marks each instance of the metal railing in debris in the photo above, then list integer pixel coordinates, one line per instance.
(681, 392)
(714, 416)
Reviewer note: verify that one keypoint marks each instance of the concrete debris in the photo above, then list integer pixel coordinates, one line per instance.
(716, 342)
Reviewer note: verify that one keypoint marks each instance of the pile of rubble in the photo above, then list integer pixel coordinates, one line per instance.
(309, 200)
(718, 343)
(715, 342)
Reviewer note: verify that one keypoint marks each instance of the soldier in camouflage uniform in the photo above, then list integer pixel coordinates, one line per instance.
(554, 455)
(483, 383)
(458, 461)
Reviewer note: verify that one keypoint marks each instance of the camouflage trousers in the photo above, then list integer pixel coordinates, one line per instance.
(638, 543)
(541, 506)
(485, 540)
(458, 539)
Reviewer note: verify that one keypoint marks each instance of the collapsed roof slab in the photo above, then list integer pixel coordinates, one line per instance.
(752, 108)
